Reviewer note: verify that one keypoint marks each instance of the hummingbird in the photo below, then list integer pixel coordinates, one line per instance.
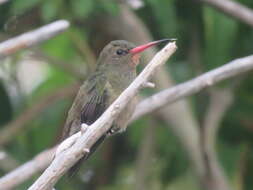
(115, 70)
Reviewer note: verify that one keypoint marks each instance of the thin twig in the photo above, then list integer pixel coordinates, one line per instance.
(34, 37)
(7, 162)
(68, 158)
(190, 87)
(232, 8)
(3, 1)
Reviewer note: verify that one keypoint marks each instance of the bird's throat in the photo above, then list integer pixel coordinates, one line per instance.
(135, 60)
(119, 81)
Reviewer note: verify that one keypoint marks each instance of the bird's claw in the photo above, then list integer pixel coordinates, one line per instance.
(84, 128)
(113, 131)
(86, 150)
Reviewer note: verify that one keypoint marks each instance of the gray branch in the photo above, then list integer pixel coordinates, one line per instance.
(234, 9)
(3, 1)
(190, 87)
(34, 37)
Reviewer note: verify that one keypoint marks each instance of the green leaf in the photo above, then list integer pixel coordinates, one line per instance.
(109, 6)
(60, 46)
(82, 8)
(49, 10)
(220, 32)
(20, 6)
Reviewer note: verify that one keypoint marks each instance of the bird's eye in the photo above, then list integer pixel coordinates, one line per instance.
(120, 51)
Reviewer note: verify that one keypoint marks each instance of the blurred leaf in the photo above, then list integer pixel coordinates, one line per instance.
(55, 80)
(82, 8)
(5, 108)
(60, 46)
(109, 6)
(19, 6)
(165, 16)
(220, 31)
(46, 127)
(49, 10)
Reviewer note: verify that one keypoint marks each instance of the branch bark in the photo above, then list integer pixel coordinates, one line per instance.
(232, 8)
(7, 162)
(29, 39)
(161, 99)
(68, 158)
(3, 1)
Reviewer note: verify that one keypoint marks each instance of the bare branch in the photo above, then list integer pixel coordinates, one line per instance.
(29, 39)
(3, 1)
(7, 162)
(27, 170)
(69, 157)
(190, 87)
(234, 9)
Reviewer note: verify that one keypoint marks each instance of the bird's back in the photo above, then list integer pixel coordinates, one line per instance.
(90, 102)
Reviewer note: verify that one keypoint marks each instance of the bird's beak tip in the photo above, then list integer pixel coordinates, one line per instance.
(141, 48)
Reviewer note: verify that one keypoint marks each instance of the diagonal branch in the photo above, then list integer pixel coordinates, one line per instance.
(7, 162)
(231, 69)
(29, 39)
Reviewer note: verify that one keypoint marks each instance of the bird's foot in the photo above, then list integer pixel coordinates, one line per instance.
(86, 150)
(84, 128)
(113, 131)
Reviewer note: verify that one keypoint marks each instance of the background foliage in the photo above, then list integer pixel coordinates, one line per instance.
(206, 39)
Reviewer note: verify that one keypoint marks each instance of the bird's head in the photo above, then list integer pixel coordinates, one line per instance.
(121, 55)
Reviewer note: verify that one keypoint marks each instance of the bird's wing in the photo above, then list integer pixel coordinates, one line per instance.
(90, 102)
(88, 105)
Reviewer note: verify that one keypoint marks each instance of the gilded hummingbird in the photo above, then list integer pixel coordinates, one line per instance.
(115, 70)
